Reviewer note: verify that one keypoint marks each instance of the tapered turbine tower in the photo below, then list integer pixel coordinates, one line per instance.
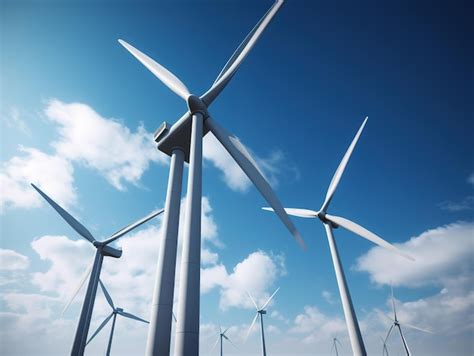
(102, 249)
(115, 311)
(259, 315)
(183, 142)
(331, 222)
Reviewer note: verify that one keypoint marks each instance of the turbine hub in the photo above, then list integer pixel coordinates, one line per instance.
(196, 105)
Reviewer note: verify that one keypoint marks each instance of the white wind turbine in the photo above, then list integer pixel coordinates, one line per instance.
(222, 335)
(183, 141)
(115, 311)
(102, 249)
(331, 222)
(260, 312)
(396, 324)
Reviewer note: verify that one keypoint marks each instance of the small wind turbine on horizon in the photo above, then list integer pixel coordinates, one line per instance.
(335, 341)
(183, 142)
(331, 222)
(396, 324)
(102, 249)
(115, 311)
(222, 335)
(260, 312)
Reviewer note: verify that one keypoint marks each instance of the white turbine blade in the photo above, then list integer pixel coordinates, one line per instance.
(384, 315)
(416, 328)
(101, 326)
(404, 341)
(107, 295)
(215, 344)
(366, 234)
(131, 316)
(253, 301)
(76, 225)
(78, 288)
(389, 333)
(223, 332)
(130, 227)
(269, 299)
(225, 337)
(248, 165)
(163, 74)
(251, 326)
(239, 55)
(301, 213)
(340, 170)
(393, 303)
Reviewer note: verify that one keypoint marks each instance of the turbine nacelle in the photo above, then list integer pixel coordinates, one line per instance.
(111, 251)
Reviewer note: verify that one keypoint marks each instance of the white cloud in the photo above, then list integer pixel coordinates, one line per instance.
(454, 206)
(12, 261)
(442, 254)
(52, 173)
(13, 120)
(257, 273)
(470, 179)
(233, 176)
(317, 326)
(328, 297)
(102, 144)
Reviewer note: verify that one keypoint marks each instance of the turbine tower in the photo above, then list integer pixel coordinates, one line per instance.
(102, 249)
(260, 312)
(115, 311)
(222, 335)
(396, 324)
(183, 142)
(331, 222)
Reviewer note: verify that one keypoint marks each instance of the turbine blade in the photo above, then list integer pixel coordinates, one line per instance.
(76, 225)
(251, 326)
(239, 55)
(389, 333)
(215, 344)
(301, 213)
(78, 288)
(131, 316)
(417, 328)
(393, 303)
(225, 337)
(271, 297)
(107, 295)
(223, 332)
(404, 341)
(366, 234)
(101, 326)
(163, 74)
(248, 165)
(340, 170)
(384, 315)
(130, 227)
(251, 298)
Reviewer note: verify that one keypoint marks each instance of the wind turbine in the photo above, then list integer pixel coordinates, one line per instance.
(222, 335)
(331, 222)
(384, 350)
(183, 141)
(102, 249)
(396, 324)
(335, 341)
(260, 312)
(115, 311)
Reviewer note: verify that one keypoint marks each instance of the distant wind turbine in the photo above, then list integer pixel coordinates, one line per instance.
(331, 222)
(335, 342)
(183, 142)
(396, 324)
(115, 311)
(222, 335)
(260, 312)
(102, 249)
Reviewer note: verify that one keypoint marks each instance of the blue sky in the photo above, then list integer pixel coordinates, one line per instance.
(77, 113)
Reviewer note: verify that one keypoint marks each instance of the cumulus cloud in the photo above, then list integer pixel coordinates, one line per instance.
(103, 144)
(13, 119)
(12, 261)
(52, 173)
(257, 273)
(441, 254)
(233, 176)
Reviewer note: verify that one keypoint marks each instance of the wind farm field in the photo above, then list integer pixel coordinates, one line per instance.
(205, 177)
